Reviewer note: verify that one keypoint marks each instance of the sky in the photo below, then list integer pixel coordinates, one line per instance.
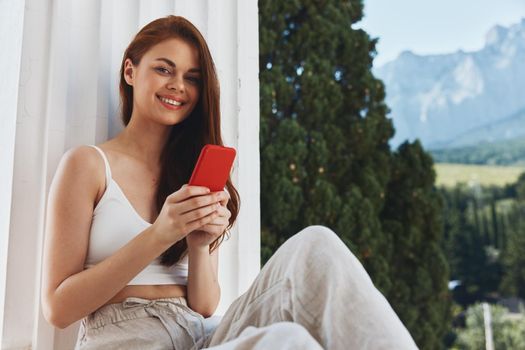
(434, 26)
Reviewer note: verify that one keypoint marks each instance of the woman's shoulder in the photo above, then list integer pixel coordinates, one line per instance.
(85, 163)
(79, 174)
(82, 156)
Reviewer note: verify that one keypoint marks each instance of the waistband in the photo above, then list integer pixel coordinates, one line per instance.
(184, 326)
(134, 307)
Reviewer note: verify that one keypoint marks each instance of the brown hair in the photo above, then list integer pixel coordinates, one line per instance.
(187, 138)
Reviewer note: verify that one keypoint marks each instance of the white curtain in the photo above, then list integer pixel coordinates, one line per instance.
(66, 71)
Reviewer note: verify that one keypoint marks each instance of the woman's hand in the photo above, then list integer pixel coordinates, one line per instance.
(188, 209)
(205, 235)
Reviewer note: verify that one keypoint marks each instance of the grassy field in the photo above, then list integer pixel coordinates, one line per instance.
(450, 174)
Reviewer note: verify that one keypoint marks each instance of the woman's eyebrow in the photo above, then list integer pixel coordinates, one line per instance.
(172, 64)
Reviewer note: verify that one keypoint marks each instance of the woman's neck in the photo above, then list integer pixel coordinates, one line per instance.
(144, 141)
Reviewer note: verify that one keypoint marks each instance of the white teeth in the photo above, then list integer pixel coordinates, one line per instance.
(171, 102)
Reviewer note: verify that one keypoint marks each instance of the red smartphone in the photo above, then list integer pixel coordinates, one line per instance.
(213, 167)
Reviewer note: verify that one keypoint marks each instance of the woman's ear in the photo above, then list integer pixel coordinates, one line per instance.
(129, 71)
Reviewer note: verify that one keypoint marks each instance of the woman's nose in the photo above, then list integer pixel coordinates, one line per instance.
(176, 83)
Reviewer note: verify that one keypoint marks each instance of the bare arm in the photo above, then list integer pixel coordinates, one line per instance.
(68, 291)
(203, 287)
(204, 291)
(84, 292)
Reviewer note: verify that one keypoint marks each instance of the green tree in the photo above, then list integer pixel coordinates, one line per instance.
(474, 260)
(419, 271)
(513, 282)
(324, 135)
(507, 333)
(495, 224)
(325, 157)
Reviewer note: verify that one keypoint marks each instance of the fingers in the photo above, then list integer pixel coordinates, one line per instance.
(196, 207)
(215, 227)
(224, 201)
(186, 192)
(202, 201)
(219, 221)
(203, 221)
(222, 197)
(188, 209)
(224, 212)
(200, 212)
(214, 230)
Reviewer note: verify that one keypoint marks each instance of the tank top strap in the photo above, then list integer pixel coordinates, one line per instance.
(108, 170)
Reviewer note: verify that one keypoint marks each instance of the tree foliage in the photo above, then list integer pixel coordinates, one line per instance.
(507, 332)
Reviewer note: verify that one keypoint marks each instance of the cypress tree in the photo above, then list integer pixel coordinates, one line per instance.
(475, 213)
(453, 215)
(485, 228)
(513, 281)
(520, 188)
(495, 224)
(504, 219)
(419, 271)
(324, 132)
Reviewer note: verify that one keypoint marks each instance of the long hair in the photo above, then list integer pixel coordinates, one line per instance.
(186, 138)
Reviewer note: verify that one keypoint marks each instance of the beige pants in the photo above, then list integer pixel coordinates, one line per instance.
(312, 293)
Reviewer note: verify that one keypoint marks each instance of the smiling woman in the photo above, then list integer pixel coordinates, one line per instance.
(133, 228)
(175, 85)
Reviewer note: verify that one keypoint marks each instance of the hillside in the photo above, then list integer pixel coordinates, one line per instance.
(508, 152)
(449, 175)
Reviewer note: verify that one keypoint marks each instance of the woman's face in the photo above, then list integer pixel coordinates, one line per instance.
(166, 82)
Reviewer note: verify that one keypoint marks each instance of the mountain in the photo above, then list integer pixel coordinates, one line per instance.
(494, 132)
(440, 98)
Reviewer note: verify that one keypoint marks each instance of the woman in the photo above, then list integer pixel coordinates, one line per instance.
(132, 250)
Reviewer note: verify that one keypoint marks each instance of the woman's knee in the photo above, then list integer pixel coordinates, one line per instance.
(309, 248)
(317, 236)
(320, 244)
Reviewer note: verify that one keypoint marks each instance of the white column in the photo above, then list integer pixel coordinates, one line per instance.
(222, 39)
(247, 132)
(11, 33)
(121, 25)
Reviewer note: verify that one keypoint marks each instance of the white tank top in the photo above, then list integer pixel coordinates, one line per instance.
(115, 222)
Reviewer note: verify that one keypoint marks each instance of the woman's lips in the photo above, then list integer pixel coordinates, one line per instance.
(170, 106)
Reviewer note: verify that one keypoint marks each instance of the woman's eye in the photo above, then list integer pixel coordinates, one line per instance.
(194, 80)
(163, 70)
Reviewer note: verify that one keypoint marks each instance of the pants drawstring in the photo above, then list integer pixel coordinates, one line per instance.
(169, 320)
